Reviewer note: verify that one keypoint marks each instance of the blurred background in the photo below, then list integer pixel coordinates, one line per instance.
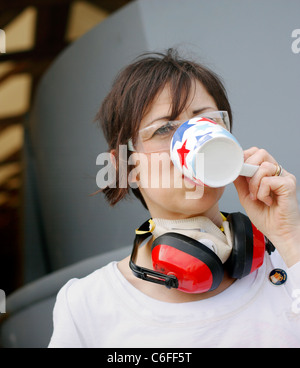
(36, 32)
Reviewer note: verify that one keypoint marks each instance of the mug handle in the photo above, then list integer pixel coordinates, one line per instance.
(248, 170)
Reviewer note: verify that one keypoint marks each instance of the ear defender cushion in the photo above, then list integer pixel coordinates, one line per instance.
(248, 246)
(197, 268)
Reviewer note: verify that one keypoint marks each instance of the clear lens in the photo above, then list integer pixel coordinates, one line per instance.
(157, 136)
(220, 117)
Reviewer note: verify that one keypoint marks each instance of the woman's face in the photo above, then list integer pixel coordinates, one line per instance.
(167, 193)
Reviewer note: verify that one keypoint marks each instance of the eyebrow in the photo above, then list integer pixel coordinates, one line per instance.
(194, 112)
(203, 109)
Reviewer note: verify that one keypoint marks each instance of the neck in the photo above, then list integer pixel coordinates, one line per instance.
(212, 213)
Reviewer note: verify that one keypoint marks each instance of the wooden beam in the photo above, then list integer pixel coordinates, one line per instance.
(9, 201)
(49, 51)
(15, 157)
(9, 171)
(8, 190)
(18, 4)
(51, 24)
(18, 68)
(109, 5)
(10, 161)
(17, 119)
(9, 15)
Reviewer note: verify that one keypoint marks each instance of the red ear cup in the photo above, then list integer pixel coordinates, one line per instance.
(248, 246)
(197, 268)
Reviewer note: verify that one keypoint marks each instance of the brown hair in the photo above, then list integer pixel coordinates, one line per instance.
(134, 90)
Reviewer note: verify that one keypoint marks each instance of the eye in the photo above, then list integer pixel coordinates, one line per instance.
(166, 129)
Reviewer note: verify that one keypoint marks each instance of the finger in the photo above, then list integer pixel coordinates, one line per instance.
(265, 169)
(249, 152)
(257, 156)
(279, 186)
(264, 191)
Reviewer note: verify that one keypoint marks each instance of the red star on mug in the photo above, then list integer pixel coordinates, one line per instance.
(182, 152)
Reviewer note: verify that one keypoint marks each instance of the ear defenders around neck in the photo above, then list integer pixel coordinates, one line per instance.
(196, 267)
(188, 265)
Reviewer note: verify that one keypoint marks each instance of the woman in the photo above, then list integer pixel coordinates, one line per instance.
(114, 308)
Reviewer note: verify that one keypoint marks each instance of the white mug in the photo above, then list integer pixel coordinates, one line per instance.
(207, 153)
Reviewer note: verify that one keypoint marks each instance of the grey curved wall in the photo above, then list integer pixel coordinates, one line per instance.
(65, 143)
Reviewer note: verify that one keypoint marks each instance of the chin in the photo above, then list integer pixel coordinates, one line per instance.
(200, 201)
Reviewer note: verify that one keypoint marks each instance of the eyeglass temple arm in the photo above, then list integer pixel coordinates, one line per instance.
(130, 145)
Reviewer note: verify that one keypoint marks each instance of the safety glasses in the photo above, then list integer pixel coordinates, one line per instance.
(157, 136)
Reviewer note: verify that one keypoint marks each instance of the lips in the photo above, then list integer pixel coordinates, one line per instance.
(197, 182)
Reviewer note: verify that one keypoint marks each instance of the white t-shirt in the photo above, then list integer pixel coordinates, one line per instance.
(104, 310)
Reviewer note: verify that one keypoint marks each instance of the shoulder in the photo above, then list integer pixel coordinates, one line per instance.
(76, 292)
(78, 304)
